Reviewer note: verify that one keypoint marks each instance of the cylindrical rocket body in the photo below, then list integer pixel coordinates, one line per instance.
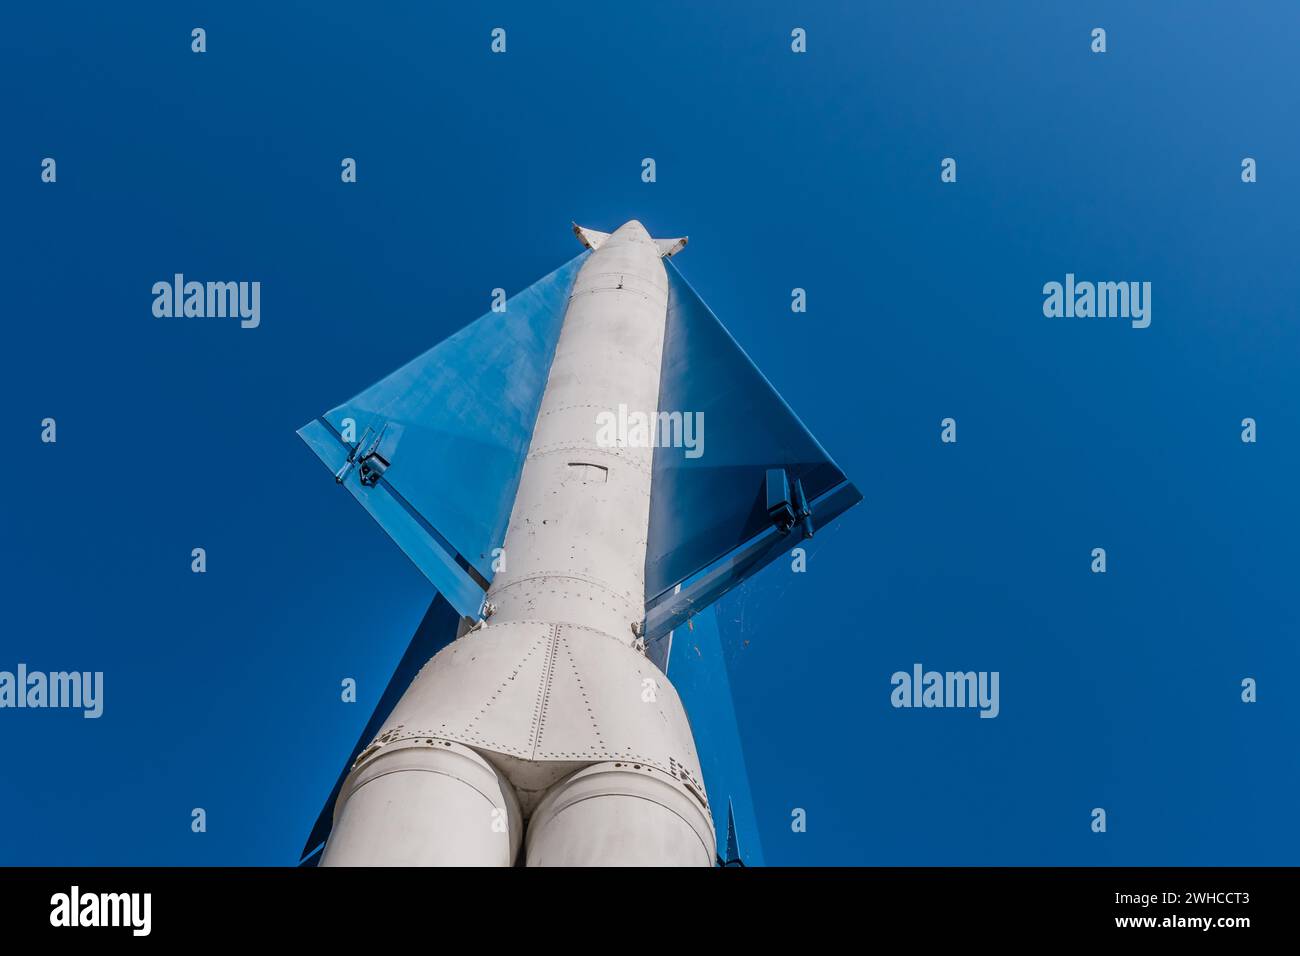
(555, 692)
(383, 818)
(576, 546)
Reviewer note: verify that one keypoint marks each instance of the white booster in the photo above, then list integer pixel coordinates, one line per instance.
(546, 727)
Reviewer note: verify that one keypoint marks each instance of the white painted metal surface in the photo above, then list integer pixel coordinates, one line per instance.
(616, 815)
(384, 820)
(585, 738)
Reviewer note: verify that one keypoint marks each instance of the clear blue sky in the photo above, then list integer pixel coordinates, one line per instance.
(819, 171)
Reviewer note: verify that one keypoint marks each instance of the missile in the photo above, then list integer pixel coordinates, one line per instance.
(547, 469)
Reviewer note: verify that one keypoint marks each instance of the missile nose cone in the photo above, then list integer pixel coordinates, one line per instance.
(632, 229)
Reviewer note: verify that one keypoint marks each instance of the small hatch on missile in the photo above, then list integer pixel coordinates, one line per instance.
(586, 473)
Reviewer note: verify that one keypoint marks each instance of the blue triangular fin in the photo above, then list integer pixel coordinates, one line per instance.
(434, 450)
(711, 522)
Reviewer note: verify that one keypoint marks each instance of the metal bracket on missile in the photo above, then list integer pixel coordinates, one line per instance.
(349, 464)
(373, 467)
(373, 464)
(779, 505)
(802, 508)
(785, 508)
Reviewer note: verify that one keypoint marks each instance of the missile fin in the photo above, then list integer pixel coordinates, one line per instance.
(732, 856)
(670, 247)
(434, 450)
(710, 524)
(591, 238)
(594, 239)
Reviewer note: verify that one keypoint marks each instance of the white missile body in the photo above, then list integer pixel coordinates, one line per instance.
(545, 730)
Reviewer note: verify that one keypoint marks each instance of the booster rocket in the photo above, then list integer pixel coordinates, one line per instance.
(542, 724)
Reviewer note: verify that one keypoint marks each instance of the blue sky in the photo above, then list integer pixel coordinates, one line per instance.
(818, 171)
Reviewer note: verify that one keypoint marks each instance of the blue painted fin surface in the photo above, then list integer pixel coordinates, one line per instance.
(439, 444)
(436, 631)
(697, 669)
(710, 523)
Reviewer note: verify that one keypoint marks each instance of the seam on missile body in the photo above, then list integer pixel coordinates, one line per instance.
(566, 575)
(582, 690)
(501, 687)
(544, 691)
